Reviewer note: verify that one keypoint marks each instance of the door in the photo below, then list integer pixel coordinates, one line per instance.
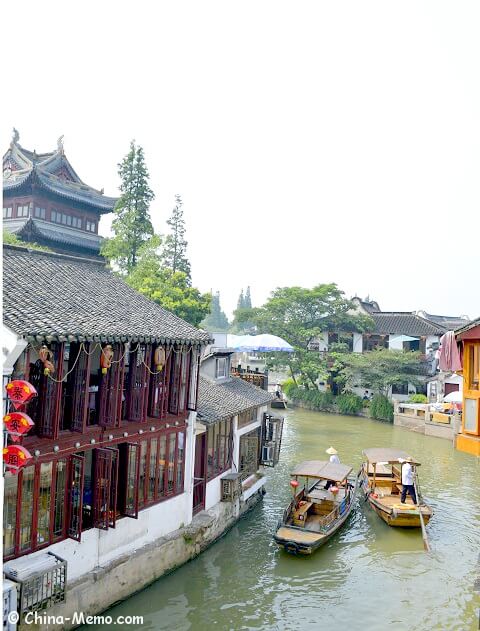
(199, 477)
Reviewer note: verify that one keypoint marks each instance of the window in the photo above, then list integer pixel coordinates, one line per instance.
(159, 387)
(91, 226)
(26, 504)
(221, 364)
(43, 506)
(473, 369)
(9, 512)
(245, 418)
(7, 212)
(249, 452)
(22, 211)
(53, 215)
(59, 508)
(76, 222)
(219, 448)
(43, 409)
(40, 213)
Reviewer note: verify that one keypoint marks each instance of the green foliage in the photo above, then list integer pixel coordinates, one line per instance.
(175, 248)
(380, 369)
(300, 316)
(216, 320)
(315, 400)
(349, 403)
(381, 408)
(288, 386)
(418, 398)
(132, 226)
(11, 239)
(172, 290)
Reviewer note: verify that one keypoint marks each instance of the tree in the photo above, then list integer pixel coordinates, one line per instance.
(301, 316)
(241, 301)
(380, 369)
(132, 226)
(11, 239)
(172, 290)
(216, 320)
(175, 249)
(247, 302)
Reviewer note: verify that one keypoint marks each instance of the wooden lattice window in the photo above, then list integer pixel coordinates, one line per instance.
(194, 381)
(45, 409)
(75, 505)
(105, 488)
(174, 395)
(138, 382)
(159, 387)
(109, 414)
(132, 463)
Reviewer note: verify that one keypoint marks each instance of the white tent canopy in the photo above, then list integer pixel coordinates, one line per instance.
(261, 343)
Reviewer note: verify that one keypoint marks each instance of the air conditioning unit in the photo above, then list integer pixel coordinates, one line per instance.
(42, 580)
(9, 604)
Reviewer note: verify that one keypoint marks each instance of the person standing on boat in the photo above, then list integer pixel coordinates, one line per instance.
(333, 453)
(407, 481)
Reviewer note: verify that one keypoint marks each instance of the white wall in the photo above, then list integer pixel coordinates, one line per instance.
(357, 343)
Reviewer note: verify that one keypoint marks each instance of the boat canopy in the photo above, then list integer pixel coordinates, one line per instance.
(322, 469)
(386, 455)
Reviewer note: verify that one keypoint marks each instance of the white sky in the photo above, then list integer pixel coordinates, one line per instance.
(311, 141)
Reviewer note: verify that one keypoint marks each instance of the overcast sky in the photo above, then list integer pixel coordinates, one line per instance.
(312, 142)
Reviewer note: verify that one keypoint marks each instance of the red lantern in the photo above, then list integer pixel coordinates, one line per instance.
(294, 484)
(15, 457)
(19, 392)
(106, 357)
(17, 424)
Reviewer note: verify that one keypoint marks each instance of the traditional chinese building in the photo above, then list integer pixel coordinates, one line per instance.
(468, 339)
(45, 201)
(130, 446)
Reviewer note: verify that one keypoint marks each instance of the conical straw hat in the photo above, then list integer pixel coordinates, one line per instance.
(331, 451)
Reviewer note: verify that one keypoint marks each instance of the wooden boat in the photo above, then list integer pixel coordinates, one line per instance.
(315, 513)
(279, 404)
(381, 481)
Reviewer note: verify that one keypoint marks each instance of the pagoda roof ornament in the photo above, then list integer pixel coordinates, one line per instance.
(60, 144)
(15, 136)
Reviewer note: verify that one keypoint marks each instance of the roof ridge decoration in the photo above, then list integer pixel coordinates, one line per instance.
(53, 172)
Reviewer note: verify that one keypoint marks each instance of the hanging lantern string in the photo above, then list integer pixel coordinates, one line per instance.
(83, 349)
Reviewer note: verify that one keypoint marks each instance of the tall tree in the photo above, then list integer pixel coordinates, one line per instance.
(132, 226)
(172, 290)
(241, 301)
(247, 303)
(175, 248)
(216, 320)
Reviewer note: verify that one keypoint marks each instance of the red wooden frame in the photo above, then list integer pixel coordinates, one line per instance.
(133, 448)
(109, 386)
(79, 389)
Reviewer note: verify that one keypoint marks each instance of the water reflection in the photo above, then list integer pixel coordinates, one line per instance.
(368, 576)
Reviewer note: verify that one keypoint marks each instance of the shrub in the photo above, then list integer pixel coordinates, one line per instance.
(417, 398)
(315, 400)
(381, 408)
(349, 403)
(288, 385)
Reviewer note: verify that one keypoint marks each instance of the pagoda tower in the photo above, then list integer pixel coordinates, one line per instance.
(44, 201)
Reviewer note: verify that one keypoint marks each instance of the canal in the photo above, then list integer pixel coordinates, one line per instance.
(369, 576)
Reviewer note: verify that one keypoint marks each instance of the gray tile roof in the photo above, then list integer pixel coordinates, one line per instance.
(404, 324)
(218, 401)
(449, 322)
(54, 232)
(52, 296)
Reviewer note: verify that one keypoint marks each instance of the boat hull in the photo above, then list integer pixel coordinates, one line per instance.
(302, 541)
(401, 517)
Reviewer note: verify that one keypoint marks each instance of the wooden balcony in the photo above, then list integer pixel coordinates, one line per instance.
(256, 378)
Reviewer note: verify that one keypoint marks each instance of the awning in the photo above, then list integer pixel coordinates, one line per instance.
(385, 454)
(258, 343)
(322, 469)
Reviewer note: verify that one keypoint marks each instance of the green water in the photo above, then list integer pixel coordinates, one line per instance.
(369, 576)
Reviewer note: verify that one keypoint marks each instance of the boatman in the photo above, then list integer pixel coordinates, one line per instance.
(407, 480)
(333, 453)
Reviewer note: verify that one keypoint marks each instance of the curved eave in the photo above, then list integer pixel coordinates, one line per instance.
(46, 336)
(100, 203)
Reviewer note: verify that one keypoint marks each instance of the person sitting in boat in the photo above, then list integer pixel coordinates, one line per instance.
(333, 453)
(407, 481)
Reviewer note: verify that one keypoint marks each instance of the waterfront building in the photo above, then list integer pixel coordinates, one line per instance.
(468, 337)
(130, 444)
(45, 201)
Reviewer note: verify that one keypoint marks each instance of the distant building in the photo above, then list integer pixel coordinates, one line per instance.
(468, 337)
(45, 201)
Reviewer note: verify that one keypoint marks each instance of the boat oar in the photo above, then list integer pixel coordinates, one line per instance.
(426, 545)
